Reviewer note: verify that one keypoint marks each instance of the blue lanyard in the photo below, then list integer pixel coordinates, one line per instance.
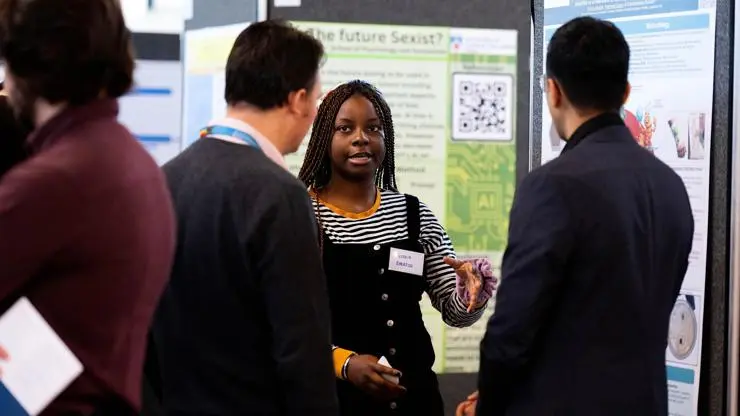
(232, 132)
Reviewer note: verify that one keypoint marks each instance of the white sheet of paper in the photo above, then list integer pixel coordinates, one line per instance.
(405, 261)
(384, 362)
(40, 365)
(287, 3)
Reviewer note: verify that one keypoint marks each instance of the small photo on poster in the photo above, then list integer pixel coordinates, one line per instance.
(697, 133)
(678, 126)
(641, 122)
(684, 330)
(687, 131)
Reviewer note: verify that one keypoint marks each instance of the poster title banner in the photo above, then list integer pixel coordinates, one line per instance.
(657, 25)
(612, 9)
(362, 39)
(394, 37)
(434, 42)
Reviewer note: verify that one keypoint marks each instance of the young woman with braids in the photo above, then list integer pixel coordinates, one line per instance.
(381, 250)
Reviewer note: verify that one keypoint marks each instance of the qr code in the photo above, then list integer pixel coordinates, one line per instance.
(482, 106)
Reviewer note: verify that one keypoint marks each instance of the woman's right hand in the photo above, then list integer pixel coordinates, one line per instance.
(365, 373)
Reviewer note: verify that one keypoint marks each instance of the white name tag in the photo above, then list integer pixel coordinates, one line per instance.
(40, 365)
(405, 261)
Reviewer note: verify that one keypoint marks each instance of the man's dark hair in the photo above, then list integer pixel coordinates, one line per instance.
(269, 60)
(316, 170)
(589, 58)
(67, 51)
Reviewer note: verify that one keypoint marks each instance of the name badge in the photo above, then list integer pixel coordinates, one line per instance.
(405, 261)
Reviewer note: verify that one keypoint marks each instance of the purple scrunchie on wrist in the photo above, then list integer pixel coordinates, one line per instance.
(484, 270)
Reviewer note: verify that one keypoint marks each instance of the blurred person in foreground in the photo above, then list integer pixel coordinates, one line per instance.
(86, 223)
(243, 327)
(598, 247)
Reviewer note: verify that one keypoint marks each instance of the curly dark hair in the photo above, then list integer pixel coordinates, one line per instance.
(316, 169)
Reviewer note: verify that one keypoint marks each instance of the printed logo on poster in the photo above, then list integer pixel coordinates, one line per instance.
(489, 42)
(456, 42)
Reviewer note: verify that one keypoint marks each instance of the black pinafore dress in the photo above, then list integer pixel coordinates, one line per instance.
(376, 311)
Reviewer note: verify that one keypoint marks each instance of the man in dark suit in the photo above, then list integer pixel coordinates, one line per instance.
(243, 327)
(598, 247)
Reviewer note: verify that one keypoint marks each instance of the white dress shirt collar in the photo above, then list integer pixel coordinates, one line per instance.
(265, 144)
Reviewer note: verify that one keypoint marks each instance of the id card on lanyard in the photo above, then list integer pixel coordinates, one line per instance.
(230, 132)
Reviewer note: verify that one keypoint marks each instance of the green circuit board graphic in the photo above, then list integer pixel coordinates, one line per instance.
(481, 174)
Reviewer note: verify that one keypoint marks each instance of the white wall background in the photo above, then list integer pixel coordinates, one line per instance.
(166, 16)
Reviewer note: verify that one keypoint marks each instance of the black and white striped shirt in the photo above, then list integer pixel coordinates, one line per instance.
(385, 223)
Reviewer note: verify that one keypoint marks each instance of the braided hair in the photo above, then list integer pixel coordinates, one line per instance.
(316, 170)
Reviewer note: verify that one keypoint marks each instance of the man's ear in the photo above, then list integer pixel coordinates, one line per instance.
(627, 92)
(554, 93)
(296, 102)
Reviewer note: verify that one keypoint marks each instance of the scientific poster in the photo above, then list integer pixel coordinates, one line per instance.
(669, 113)
(206, 51)
(451, 94)
(153, 109)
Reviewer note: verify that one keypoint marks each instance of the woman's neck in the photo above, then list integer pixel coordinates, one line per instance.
(349, 196)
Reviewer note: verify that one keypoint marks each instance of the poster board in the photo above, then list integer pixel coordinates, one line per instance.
(209, 35)
(205, 51)
(670, 112)
(152, 110)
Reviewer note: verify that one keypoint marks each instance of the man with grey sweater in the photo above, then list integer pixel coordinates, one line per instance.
(243, 326)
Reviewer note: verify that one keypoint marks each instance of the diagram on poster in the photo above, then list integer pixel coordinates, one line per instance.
(668, 113)
(683, 354)
(684, 330)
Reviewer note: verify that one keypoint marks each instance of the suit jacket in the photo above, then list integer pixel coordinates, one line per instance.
(599, 242)
(243, 327)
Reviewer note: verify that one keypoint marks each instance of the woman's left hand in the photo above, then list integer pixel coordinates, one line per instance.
(467, 408)
(476, 278)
